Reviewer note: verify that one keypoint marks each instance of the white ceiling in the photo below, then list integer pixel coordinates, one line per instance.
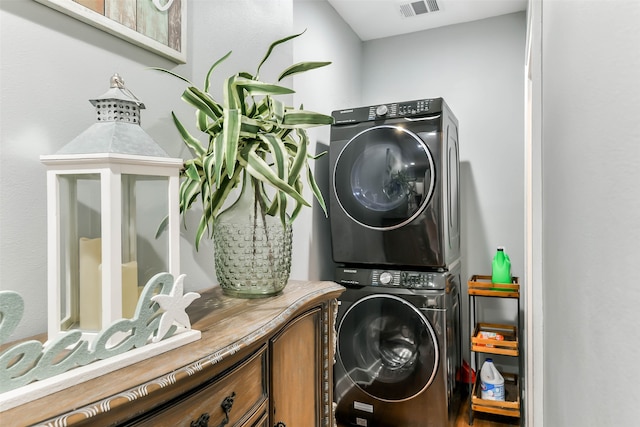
(374, 19)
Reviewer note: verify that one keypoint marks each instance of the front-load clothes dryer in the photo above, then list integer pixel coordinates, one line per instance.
(394, 185)
(398, 350)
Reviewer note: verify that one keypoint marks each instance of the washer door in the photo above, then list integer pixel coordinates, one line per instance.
(387, 347)
(384, 177)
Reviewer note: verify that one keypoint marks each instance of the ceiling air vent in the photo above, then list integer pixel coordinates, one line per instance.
(415, 8)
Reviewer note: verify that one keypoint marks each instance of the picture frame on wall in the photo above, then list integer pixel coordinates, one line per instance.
(159, 26)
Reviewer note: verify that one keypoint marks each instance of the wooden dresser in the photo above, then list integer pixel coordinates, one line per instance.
(261, 362)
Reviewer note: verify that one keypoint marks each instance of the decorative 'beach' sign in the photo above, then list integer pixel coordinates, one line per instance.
(160, 317)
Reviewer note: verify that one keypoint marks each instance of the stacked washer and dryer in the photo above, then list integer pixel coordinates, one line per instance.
(395, 226)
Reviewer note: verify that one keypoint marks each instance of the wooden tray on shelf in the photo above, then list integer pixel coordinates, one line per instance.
(508, 346)
(482, 286)
(510, 407)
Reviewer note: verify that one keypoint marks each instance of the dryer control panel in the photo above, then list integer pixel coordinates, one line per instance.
(349, 276)
(420, 107)
(407, 279)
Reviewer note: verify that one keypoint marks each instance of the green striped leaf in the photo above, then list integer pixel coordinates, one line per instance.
(300, 155)
(282, 205)
(191, 142)
(229, 94)
(272, 46)
(192, 97)
(277, 109)
(209, 168)
(259, 169)
(316, 190)
(202, 227)
(207, 80)
(298, 208)
(303, 118)
(231, 134)
(258, 88)
(218, 152)
(301, 68)
(192, 172)
(278, 153)
(208, 100)
(189, 191)
(173, 74)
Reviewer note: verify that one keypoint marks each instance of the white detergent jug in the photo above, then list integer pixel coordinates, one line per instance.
(491, 381)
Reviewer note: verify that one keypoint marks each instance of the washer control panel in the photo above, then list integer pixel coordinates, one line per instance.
(400, 109)
(407, 279)
(419, 107)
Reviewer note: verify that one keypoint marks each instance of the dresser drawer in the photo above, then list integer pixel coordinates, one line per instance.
(244, 388)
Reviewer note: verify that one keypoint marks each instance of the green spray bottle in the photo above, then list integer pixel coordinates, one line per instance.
(501, 267)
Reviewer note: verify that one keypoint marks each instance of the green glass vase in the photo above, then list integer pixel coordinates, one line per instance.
(252, 249)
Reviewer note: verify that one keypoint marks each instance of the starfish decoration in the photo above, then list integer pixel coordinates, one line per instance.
(174, 305)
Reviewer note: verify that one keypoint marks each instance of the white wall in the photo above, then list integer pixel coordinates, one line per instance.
(51, 65)
(327, 38)
(478, 68)
(591, 212)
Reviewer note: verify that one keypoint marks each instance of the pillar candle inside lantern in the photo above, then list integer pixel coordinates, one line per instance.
(129, 288)
(90, 280)
(91, 285)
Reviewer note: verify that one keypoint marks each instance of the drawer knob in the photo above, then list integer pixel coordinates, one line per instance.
(280, 424)
(227, 403)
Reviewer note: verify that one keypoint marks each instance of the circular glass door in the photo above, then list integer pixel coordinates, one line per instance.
(384, 177)
(387, 347)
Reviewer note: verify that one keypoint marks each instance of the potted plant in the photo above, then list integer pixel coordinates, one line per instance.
(256, 142)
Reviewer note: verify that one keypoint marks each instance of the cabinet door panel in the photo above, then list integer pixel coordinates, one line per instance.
(297, 373)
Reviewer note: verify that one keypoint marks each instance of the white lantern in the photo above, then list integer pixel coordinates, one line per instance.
(108, 192)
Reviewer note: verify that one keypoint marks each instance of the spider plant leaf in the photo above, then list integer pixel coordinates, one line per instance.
(230, 135)
(303, 118)
(206, 98)
(209, 169)
(301, 67)
(191, 97)
(202, 122)
(317, 156)
(215, 128)
(273, 45)
(263, 108)
(191, 141)
(173, 74)
(207, 80)
(225, 186)
(163, 226)
(316, 190)
(300, 156)
(278, 153)
(260, 170)
(218, 153)
(189, 191)
(277, 109)
(192, 172)
(282, 205)
(202, 227)
(258, 88)
(298, 208)
(273, 205)
(230, 96)
(249, 128)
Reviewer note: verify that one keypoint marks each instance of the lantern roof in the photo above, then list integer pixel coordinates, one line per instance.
(117, 128)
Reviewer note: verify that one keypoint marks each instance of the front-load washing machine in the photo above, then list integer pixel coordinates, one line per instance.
(398, 350)
(394, 185)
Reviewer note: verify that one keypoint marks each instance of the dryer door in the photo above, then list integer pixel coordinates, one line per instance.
(384, 177)
(387, 347)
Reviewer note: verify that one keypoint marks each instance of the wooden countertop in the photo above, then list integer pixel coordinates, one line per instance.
(228, 326)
